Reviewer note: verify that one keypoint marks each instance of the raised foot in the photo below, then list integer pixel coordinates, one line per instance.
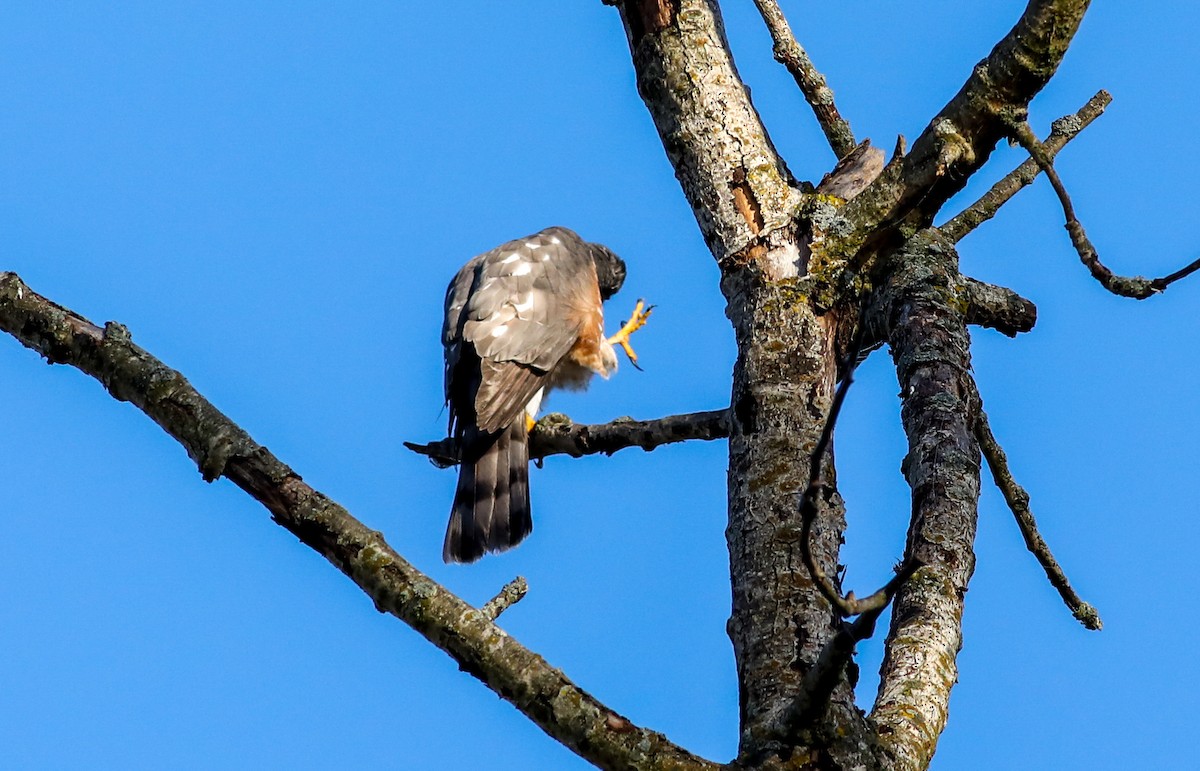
(637, 320)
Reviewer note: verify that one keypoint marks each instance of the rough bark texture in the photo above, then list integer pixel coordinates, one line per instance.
(780, 622)
(795, 268)
(736, 183)
(555, 434)
(746, 205)
(931, 348)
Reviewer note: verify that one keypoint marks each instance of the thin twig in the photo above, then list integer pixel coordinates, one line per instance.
(1136, 287)
(1062, 131)
(817, 93)
(1018, 502)
(848, 605)
(512, 593)
(555, 434)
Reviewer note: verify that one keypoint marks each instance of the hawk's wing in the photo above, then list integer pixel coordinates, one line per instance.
(517, 310)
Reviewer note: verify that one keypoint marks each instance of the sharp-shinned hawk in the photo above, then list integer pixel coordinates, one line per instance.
(521, 319)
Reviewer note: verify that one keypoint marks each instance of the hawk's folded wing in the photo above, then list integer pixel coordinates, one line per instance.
(517, 310)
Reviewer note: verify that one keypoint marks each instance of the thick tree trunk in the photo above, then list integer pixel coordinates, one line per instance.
(746, 205)
(782, 389)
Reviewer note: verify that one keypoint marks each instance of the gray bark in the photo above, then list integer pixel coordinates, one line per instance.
(797, 263)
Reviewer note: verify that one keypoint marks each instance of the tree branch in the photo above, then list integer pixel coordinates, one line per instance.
(1018, 502)
(959, 140)
(983, 305)
(1062, 131)
(812, 83)
(828, 671)
(512, 593)
(1137, 287)
(931, 348)
(220, 448)
(739, 189)
(996, 307)
(848, 605)
(555, 434)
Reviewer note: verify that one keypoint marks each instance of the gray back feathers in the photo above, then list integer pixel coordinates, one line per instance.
(512, 315)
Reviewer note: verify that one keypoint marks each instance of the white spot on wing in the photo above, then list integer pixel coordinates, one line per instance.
(523, 269)
(525, 305)
(555, 240)
(533, 244)
(535, 403)
(500, 330)
(546, 257)
(513, 257)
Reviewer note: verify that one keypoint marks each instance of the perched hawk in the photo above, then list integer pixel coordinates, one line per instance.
(521, 319)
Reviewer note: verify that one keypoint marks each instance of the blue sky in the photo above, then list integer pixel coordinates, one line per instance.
(272, 196)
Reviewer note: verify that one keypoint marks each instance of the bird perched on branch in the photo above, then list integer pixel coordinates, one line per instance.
(521, 319)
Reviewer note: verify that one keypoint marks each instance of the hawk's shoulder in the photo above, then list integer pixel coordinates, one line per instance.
(520, 307)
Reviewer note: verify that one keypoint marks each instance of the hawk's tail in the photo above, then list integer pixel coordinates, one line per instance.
(491, 503)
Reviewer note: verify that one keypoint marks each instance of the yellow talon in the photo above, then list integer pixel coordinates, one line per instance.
(636, 321)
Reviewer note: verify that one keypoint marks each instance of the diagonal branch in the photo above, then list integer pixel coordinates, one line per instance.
(812, 83)
(555, 434)
(1018, 501)
(220, 448)
(960, 138)
(1062, 131)
(1136, 287)
(823, 678)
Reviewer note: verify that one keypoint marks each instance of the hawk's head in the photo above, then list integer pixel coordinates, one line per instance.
(610, 270)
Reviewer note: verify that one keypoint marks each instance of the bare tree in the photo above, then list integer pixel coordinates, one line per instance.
(816, 277)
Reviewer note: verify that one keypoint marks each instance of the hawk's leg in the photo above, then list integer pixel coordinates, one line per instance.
(636, 321)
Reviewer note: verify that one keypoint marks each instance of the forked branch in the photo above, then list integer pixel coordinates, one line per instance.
(959, 140)
(1062, 131)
